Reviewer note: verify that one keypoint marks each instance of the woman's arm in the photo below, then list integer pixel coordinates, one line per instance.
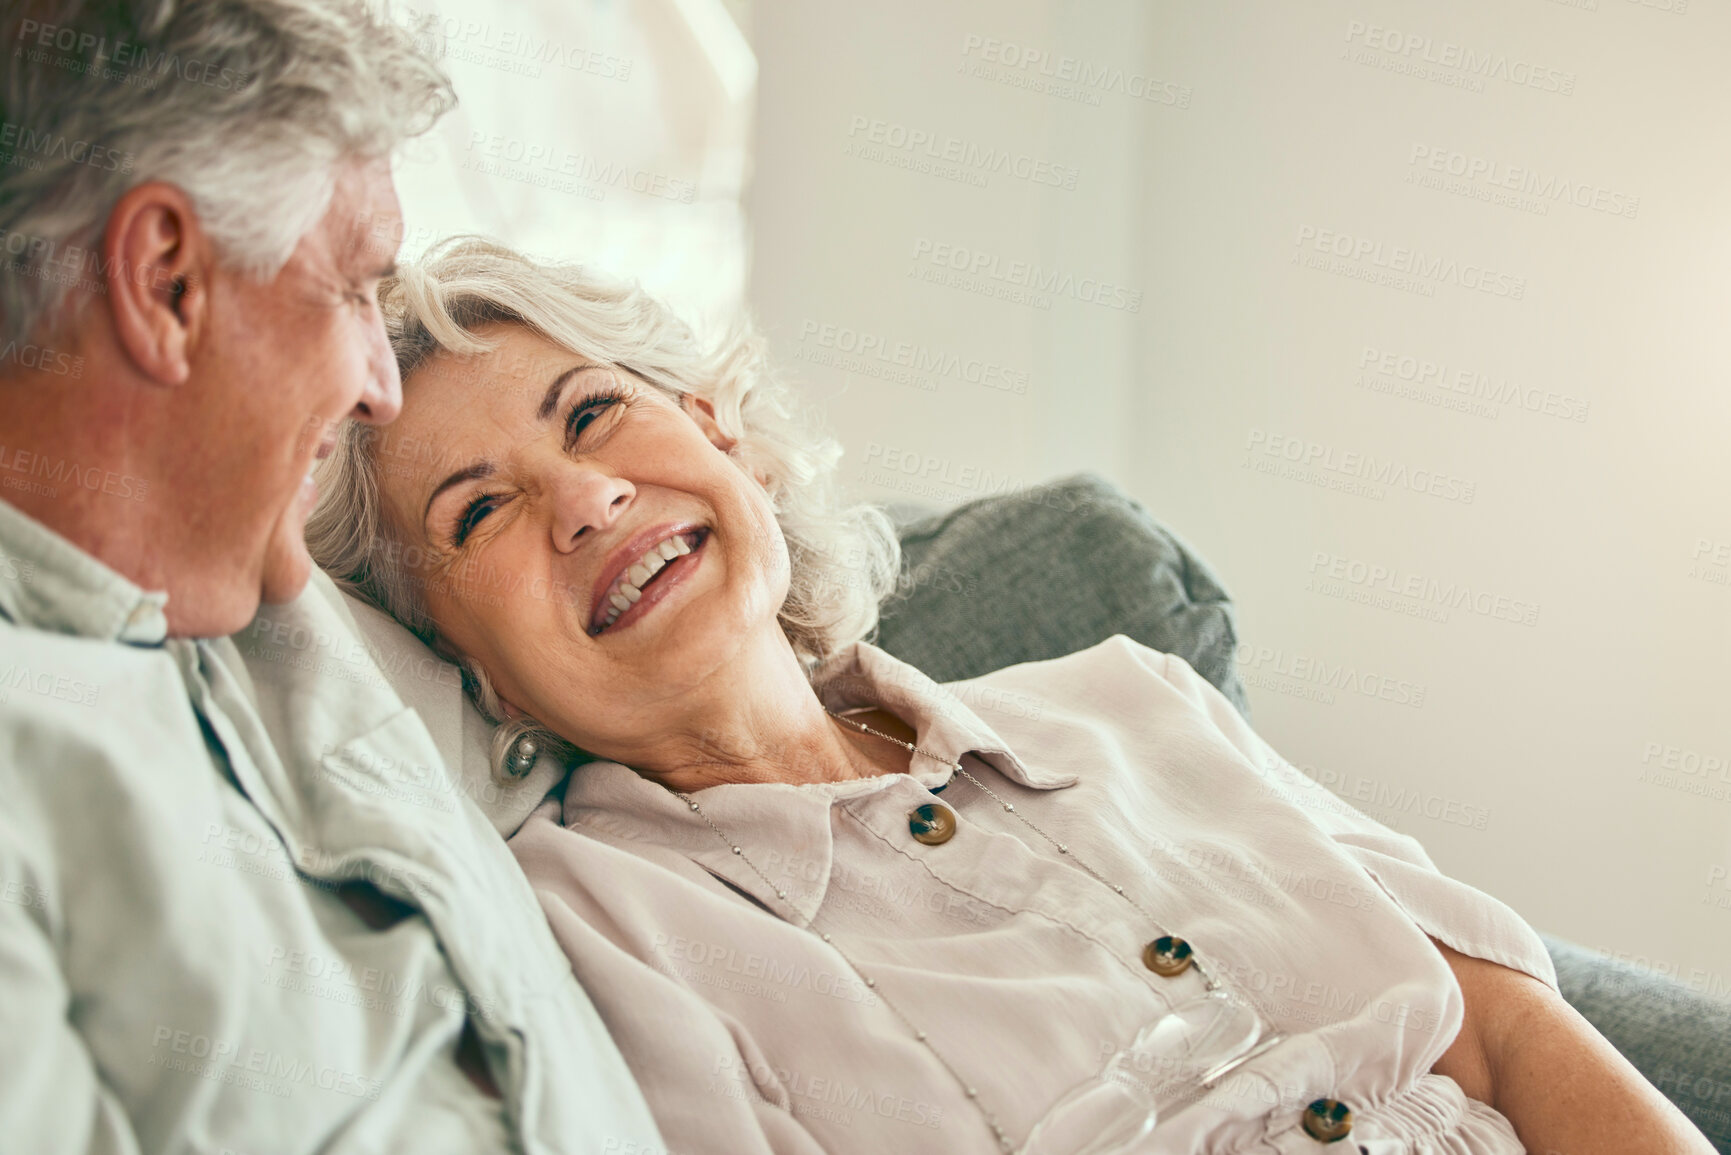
(1530, 1055)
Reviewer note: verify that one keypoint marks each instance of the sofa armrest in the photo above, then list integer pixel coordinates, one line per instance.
(1677, 1037)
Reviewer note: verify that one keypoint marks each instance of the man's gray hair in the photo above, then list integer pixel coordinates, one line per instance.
(248, 106)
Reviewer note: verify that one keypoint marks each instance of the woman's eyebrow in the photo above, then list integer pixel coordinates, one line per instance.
(549, 405)
(550, 402)
(470, 473)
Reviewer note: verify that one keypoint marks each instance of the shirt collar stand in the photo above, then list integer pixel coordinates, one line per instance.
(944, 725)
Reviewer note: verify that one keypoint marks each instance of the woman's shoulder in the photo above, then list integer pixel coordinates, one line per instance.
(1115, 680)
(1116, 664)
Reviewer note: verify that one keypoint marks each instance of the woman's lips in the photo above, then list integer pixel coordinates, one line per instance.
(665, 581)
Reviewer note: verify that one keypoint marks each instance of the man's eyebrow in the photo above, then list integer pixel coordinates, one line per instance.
(479, 469)
(550, 401)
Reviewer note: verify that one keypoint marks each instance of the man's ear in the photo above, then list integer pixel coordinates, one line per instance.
(156, 271)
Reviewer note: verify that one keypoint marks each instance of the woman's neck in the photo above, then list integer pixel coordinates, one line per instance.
(761, 721)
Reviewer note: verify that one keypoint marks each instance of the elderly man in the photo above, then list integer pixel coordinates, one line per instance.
(222, 926)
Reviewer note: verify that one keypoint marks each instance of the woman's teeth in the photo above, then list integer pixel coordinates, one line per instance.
(629, 587)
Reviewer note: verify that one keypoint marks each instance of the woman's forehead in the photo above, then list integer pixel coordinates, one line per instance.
(518, 356)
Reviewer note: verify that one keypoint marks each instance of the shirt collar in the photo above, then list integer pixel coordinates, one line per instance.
(47, 583)
(784, 830)
(944, 725)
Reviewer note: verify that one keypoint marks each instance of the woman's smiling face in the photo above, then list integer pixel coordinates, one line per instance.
(547, 491)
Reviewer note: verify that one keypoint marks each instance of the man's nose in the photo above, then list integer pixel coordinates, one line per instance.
(586, 500)
(382, 399)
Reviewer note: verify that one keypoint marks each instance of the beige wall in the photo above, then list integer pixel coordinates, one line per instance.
(1470, 265)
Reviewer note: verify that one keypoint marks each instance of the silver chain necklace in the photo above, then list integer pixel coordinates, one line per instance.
(1177, 957)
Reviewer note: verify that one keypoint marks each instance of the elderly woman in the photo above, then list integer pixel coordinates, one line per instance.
(823, 904)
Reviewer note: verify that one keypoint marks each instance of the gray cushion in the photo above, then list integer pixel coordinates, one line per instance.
(1679, 1039)
(1050, 571)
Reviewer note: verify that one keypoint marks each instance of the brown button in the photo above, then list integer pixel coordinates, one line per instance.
(932, 824)
(1167, 956)
(1327, 1120)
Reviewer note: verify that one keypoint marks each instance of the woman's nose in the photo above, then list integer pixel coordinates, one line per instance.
(586, 500)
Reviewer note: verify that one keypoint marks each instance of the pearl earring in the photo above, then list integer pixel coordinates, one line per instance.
(522, 757)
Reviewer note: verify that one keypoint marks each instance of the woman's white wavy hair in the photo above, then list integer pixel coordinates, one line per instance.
(843, 558)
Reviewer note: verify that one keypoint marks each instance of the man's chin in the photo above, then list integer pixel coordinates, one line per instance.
(287, 565)
(287, 569)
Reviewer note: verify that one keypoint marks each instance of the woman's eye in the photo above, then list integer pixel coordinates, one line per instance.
(586, 412)
(473, 515)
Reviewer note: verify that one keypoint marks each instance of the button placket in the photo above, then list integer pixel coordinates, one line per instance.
(934, 824)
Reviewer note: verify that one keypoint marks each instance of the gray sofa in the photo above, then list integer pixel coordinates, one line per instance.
(977, 594)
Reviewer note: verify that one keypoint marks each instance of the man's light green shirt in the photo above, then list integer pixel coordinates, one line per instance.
(177, 972)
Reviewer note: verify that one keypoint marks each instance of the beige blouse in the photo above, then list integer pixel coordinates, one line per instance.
(750, 1034)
